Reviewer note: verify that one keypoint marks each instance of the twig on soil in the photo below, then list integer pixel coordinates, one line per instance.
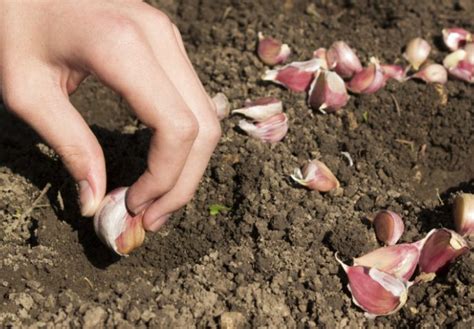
(226, 12)
(404, 141)
(36, 202)
(60, 200)
(347, 155)
(397, 106)
(89, 282)
(439, 197)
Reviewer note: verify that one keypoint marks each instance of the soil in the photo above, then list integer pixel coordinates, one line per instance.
(268, 261)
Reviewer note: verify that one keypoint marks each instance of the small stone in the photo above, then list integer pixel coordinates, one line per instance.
(364, 203)
(26, 301)
(95, 318)
(120, 288)
(147, 315)
(232, 320)
(133, 314)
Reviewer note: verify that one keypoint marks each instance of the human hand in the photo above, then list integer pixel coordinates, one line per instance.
(47, 48)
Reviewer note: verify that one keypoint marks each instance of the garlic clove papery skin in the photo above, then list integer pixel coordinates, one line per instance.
(321, 54)
(393, 71)
(271, 130)
(296, 76)
(271, 51)
(463, 212)
(460, 64)
(343, 59)
(369, 80)
(116, 228)
(417, 52)
(376, 292)
(432, 73)
(456, 37)
(441, 247)
(388, 227)
(398, 260)
(261, 109)
(328, 92)
(316, 176)
(222, 104)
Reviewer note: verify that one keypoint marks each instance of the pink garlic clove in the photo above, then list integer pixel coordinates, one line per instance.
(328, 92)
(119, 230)
(316, 176)
(271, 130)
(417, 52)
(271, 51)
(296, 76)
(463, 212)
(456, 37)
(261, 109)
(432, 73)
(392, 71)
(399, 260)
(388, 227)
(441, 247)
(460, 64)
(343, 59)
(376, 292)
(222, 104)
(369, 80)
(321, 54)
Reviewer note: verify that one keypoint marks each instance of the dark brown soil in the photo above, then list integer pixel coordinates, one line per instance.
(270, 258)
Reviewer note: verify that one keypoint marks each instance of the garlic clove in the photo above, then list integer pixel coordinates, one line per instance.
(261, 109)
(376, 292)
(416, 52)
(222, 104)
(271, 130)
(369, 80)
(456, 37)
(460, 65)
(296, 76)
(271, 51)
(399, 260)
(392, 71)
(463, 212)
(441, 247)
(432, 73)
(328, 92)
(388, 227)
(343, 59)
(119, 230)
(316, 176)
(321, 54)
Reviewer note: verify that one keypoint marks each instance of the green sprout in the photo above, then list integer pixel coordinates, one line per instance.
(365, 116)
(215, 209)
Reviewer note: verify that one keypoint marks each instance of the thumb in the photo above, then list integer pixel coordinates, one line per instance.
(54, 118)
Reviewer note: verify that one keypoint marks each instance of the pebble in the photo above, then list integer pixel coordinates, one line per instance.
(95, 318)
(232, 320)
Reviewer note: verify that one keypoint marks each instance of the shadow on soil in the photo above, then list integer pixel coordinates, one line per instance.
(125, 156)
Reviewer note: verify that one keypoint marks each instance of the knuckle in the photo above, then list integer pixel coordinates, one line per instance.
(186, 129)
(212, 131)
(159, 19)
(122, 31)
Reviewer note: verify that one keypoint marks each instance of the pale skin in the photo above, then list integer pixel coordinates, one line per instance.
(48, 47)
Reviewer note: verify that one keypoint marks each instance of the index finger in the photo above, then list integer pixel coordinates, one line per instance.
(126, 63)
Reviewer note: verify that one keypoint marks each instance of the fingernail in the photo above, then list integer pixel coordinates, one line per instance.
(86, 198)
(159, 223)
